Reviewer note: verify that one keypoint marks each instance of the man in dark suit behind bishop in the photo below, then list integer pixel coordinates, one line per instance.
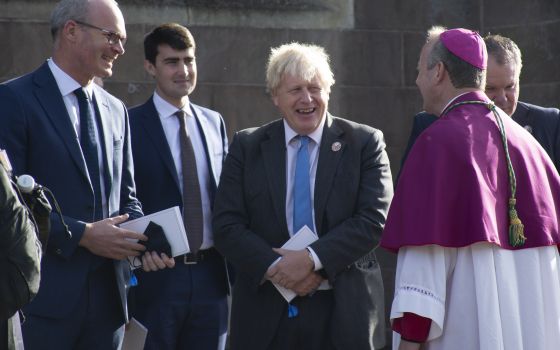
(312, 169)
(502, 86)
(73, 137)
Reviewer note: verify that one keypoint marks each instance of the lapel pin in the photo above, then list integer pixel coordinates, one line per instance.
(528, 128)
(336, 146)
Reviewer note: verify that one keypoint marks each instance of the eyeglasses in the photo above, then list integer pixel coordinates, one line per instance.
(112, 37)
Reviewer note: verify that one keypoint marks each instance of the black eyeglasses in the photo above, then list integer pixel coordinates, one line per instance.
(112, 37)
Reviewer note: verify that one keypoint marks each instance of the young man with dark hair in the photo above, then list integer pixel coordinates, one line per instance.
(178, 148)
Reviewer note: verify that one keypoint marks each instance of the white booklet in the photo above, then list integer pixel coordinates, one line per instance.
(172, 223)
(134, 335)
(303, 238)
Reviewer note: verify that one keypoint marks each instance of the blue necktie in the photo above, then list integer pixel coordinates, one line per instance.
(302, 190)
(88, 142)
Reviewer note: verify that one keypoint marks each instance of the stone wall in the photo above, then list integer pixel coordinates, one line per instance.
(374, 47)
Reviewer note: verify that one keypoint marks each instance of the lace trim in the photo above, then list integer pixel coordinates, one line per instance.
(420, 290)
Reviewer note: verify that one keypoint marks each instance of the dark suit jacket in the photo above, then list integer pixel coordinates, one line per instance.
(352, 193)
(155, 174)
(36, 131)
(542, 123)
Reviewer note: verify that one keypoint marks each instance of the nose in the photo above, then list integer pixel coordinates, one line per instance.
(499, 97)
(186, 69)
(306, 95)
(119, 47)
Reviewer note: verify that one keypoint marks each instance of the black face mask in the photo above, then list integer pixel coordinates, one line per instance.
(157, 242)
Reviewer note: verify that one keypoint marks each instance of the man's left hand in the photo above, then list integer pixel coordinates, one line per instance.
(151, 261)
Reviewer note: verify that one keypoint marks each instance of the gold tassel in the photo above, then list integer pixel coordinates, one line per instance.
(516, 236)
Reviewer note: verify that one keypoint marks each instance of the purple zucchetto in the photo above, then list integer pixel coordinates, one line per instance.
(466, 44)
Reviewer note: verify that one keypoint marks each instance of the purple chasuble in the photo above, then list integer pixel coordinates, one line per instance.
(453, 190)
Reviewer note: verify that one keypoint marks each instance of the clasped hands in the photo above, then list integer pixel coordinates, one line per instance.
(105, 238)
(295, 271)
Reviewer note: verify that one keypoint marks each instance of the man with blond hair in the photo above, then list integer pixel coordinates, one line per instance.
(312, 169)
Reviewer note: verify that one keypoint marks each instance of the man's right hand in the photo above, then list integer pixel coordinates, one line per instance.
(105, 238)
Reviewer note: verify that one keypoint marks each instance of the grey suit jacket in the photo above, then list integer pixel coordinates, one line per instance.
(353, 189)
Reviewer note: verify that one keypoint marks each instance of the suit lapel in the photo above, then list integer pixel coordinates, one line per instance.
(329, 157)
(152, 125)
(202, 128)
(49, 97)
(106, 132)
(522, 116)
(274, 157)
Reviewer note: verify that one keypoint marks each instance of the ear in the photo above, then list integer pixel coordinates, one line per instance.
(150, 68)
(70, 31)
(440, 72)
(274, 99)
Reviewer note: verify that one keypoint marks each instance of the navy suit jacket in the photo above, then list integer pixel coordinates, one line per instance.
(37, 133)
(156, 177)
(353, 190)
(542, 123)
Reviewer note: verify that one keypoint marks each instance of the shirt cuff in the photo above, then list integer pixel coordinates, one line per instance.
(318, 264)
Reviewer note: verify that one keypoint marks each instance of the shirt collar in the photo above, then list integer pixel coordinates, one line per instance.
(453, 100)
(166, 109)
(316, 135)
(67, 84)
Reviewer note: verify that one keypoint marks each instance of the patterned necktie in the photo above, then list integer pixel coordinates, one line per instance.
(192, 203)
(88, 143)
(302, 190)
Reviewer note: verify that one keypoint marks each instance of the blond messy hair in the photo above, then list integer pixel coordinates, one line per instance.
(304, 61)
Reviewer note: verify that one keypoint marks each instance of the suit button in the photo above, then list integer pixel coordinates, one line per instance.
(59, 251)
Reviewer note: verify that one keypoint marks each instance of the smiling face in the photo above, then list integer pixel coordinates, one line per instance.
(94, 55)
(303, 104)
(502, 84)
(174, 72)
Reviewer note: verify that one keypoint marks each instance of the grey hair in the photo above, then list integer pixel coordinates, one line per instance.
(67, 10)
(504, 50)
(461, 73)
(301, 60)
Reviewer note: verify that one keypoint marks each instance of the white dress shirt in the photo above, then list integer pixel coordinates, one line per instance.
(171, 126)
(67, 85)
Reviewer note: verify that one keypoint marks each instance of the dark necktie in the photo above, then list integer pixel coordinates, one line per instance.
(88, 142)
(302, 190)
(192, 204)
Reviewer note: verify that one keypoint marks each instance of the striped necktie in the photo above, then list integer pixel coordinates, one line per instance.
(192, 203)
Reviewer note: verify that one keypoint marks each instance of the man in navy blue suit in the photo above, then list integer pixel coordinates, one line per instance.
(178, 150)
(502, 86)
(73, 137)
